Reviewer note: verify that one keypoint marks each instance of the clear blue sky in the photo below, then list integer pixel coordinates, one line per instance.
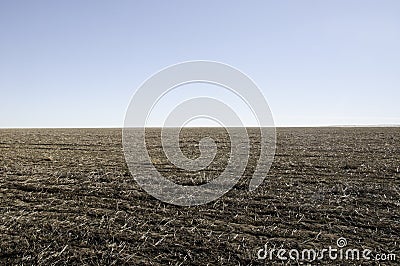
(77, 63)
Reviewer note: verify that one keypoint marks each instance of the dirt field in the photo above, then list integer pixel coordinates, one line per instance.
(67, 197)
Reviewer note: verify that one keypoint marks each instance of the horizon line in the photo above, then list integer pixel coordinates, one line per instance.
(277, 126)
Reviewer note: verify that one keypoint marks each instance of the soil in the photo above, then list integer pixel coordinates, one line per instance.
(67, 197)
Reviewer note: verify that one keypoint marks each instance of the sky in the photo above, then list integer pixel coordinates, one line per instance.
(78, 63)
